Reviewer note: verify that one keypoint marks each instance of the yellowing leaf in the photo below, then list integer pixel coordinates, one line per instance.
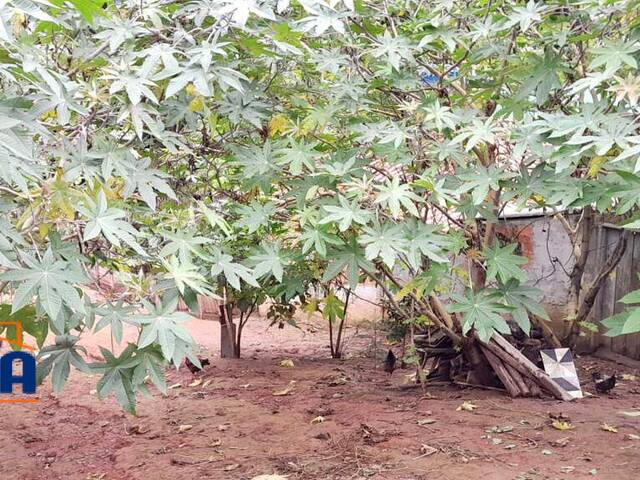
(191, 90)
(595, 165)
(608, 428)
(197, 104)
(318, 419)
(278, 124)
(287, 363)
(467, 407)
(286, 390)
(196, 382)
(562, 425)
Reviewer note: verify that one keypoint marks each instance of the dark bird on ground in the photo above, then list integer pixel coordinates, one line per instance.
(390, 363)
(604, 383)
(193, 368)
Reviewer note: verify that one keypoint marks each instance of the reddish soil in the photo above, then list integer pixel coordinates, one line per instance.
(372, 429)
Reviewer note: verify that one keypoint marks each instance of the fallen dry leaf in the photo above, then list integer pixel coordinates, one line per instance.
(567, 469)
(608, 428)
(195, 383)
(286, 390)
(628, 377)
(184, 428)
(318, 419)
(561, 442)
(175, 385)
(427, 450)
(269, 477)
(134, 430)
(467, 406)
(631, 414)
(224, 427)
(562, 425)
(631, 436)
(233, 466)
(426, 421)
(216, 443)
(287, 363)
(206, 384)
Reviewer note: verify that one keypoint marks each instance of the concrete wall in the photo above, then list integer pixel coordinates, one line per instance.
(545, 243)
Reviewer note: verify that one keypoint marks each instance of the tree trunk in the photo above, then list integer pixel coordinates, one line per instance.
(227, 333)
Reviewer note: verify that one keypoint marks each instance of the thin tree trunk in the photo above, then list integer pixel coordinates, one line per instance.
(338, 349)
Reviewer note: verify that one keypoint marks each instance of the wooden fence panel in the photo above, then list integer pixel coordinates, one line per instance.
(621, 281)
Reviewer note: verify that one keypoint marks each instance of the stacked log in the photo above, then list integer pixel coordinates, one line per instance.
(519, 376)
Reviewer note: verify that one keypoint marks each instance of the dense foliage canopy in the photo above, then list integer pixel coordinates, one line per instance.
(253, 148)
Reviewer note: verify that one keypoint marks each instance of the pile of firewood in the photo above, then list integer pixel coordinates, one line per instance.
(514, 369)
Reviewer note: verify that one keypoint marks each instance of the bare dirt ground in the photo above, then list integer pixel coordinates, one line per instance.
(372, 429)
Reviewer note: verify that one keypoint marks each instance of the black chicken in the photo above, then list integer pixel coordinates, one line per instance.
(390, 363)
(604, 383)
(193, 368)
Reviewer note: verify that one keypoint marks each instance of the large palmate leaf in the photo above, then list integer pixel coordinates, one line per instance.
(393, 195)
(523, 301)
(162, 325)
(52, 281)
(345, 214)
(109, 222)
(503, 265)
(117, 376)
(350, 257)
(58, 358)
(232, 271)
(482, 312)
(318, 238)
(270, 259)
(114, 315)
(185, 244)
(627, 321)
(386, 241)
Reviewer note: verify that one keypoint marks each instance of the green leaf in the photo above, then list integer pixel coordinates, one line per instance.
(385, 241)
(631, 297)
(108, 222)
(623, 323)
(318, 238)
(186, 275)
(481, 312)
(117, 376)
(51, 280)
(255, 215)
(350, 257)
(185, 243)
(114, 315)
(269, 259)
(58, 358)
(333, 308)
(162, 325)
(503, 265)
(232, 271)
(149, 363)
(345, 214)
(522, 300)
(393, 195)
